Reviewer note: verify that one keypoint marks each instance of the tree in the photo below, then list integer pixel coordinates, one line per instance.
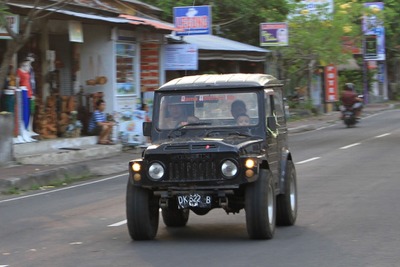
(313, 41)
(18, 40)
(316, 39)
(237, 20)
(392, 40)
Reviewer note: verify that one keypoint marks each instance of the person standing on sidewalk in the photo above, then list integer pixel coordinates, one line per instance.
(99, 125)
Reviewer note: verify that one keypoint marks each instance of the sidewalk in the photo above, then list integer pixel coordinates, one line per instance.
(20, 177)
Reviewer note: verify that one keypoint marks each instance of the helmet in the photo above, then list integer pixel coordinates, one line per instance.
(349, 86)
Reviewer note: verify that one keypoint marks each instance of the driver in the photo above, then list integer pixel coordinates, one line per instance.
(350, 99)
(178, 116)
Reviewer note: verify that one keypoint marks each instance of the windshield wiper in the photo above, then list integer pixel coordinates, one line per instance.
(227, 132)
(186, 125)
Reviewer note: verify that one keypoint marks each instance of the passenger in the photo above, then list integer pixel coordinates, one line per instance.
(243, 120)
(238, 107)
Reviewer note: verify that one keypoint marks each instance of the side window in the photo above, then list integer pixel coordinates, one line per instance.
(267, 105)
(278, 104)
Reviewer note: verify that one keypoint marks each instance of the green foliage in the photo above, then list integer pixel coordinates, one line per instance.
(392, 37)
(236, 20)
(313, 42)
(317, 42)
(3, 13)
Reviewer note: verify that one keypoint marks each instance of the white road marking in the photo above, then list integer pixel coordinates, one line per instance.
(346, 147)
(383, 135)
(62, 189)
(123, 222)
(3, 265)
(117, 224)
(308, 160)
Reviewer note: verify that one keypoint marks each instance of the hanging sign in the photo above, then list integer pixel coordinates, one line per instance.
(374, 31)
(313, 7)
(181, 57)
(192, 20)
(274, 34)
(13, 22)
(75, 31)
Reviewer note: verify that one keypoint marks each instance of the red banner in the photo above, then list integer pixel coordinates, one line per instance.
(331, 84)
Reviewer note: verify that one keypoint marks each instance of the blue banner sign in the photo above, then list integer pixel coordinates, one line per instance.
(373, 26)
(192, 20)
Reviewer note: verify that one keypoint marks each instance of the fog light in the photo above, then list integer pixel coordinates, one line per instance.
(136, 167)
(249, 173)
(137, 177)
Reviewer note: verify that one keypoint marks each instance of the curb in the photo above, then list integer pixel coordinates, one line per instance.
(302, 128)
(47, 177)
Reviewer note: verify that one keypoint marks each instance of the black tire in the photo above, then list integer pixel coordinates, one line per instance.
(286, 204)
(350, 122)
(260, 206)
(174, 217)
(142, 213)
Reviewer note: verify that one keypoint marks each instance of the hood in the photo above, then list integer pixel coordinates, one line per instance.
(233, 143)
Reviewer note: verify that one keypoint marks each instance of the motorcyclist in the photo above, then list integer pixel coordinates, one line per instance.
(350, 100)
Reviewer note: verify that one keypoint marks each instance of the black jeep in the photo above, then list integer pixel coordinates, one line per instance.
(218, 141)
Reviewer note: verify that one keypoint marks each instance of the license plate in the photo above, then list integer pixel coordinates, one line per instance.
(194, 200)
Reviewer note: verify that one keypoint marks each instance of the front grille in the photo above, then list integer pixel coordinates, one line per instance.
(192, 167)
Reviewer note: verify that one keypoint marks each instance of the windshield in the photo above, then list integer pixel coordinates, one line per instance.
(208, 110)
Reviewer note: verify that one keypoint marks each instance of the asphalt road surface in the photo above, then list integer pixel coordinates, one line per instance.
(349, 213)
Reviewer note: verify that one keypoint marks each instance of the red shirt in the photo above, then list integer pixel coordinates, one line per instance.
(25, 80)
(348, 98)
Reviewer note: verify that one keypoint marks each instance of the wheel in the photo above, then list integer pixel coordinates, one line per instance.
(260, 207)
(286, 204)
(174, 217)
(141, 212)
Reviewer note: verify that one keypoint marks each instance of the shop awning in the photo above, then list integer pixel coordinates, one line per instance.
(213, 47)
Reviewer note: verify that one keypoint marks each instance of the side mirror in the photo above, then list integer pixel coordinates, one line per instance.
(147, 128)
(271, 121)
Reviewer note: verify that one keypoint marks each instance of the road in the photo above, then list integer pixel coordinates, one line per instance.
(349, 215)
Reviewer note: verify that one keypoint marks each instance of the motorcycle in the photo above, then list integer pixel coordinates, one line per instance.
(349, 113)
(349, 117)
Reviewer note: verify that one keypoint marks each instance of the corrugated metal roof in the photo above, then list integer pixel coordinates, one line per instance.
(213, 42)
(213, 47)
(149, 22)
(121, 19)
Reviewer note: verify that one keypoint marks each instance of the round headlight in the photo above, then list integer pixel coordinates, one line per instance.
(156, 171)
(229, 168)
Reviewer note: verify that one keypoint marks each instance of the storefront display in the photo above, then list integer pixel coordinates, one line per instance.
(130, 120)
(125, 69)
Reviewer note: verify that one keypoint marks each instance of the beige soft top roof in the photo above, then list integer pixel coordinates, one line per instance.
(234, 80)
